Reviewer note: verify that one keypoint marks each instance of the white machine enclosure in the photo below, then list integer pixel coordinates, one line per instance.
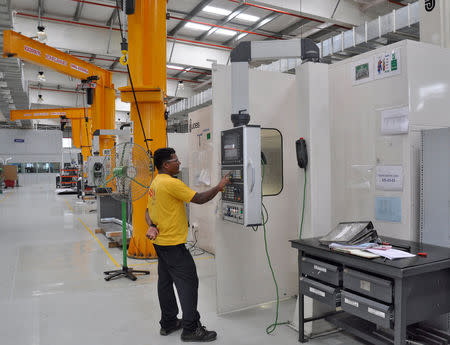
(241, 158)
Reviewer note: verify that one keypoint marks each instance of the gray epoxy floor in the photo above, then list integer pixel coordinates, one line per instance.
(52, 289)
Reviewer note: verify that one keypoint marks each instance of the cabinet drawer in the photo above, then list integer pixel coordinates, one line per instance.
(367, 309)
(321, 270)
(368, 285)
(320, 292)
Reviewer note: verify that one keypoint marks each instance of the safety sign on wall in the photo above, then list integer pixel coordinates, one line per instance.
(387, 64)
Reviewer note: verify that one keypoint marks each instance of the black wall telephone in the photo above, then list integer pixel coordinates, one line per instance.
(302, 154)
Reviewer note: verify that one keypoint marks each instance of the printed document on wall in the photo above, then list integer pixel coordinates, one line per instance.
(395, 121)
(389, 177)
(388, 209)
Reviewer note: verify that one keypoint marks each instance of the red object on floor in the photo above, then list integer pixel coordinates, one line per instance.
(9, 183)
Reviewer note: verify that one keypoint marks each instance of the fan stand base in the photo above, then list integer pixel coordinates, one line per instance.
(124, 272)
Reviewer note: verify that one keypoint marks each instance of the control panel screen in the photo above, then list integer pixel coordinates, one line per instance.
(232, 147)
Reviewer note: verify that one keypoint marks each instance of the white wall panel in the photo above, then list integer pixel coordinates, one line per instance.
(243, 276)
(201, 162)
(358, 145)
(39, 146)
(179, 142)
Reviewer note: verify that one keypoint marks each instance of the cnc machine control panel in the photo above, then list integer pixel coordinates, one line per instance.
(241, 199)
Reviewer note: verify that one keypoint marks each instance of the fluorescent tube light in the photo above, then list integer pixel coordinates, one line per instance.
(216, 10)
(247, 17)
(225, 32)
(196, 26)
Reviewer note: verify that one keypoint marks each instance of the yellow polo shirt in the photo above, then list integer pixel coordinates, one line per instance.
(166, 199)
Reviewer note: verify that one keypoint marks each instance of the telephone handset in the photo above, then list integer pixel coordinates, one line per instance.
(302, 154)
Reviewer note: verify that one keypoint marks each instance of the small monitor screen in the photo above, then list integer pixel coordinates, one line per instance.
(231, 147)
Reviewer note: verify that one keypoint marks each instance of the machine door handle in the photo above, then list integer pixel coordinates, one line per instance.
(251, 168)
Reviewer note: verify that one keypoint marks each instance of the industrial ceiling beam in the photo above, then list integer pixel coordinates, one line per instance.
(77, 14)
(293, 27)
(320, 35)
(190, 15)
(238, 10)
(113, 16)
(263, 21)
(116, 61)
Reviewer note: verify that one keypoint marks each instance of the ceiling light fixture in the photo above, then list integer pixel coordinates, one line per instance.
(247, 17)
(41, 76)
(196, 26)
(40, 100)
(180, 85)
(216, 10)
(225, 32)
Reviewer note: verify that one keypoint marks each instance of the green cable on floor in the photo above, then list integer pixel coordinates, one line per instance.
(273, 326)
(303, 210)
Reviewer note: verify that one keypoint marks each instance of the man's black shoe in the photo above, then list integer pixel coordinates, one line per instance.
(200, 334)
(167, 331)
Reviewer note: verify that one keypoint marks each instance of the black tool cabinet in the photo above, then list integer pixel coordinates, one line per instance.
(392, 294)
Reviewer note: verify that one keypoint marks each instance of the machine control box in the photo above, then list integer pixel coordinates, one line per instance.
(233, 213)
(241, 159)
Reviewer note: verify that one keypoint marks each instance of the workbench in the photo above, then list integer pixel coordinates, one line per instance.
(374, 292)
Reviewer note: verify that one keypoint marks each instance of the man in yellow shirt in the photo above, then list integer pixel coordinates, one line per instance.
(168, 229)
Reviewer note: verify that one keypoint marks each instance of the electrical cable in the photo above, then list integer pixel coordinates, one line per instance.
(85, 123)
(303, 208)
(271, 328)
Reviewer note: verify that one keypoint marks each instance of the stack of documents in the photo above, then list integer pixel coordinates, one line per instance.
(371, 250)
(391, 254)
(358, 249)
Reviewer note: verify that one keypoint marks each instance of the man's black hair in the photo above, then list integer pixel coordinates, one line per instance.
(162, 155)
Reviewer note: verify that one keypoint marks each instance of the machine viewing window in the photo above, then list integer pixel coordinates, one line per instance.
(272, 152)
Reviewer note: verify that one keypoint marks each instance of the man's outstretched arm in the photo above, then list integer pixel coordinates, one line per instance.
(203, 197)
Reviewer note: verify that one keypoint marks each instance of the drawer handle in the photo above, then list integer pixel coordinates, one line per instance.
(320, 269)
(351, 302)
(317, 292)
(376, 312)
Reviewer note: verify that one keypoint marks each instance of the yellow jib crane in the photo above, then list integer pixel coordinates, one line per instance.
(147, 63)
(103, 105)
(80, 118)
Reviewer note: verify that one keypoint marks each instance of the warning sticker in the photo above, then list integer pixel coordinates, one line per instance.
(78, 68)
(55, 59)
(32, 51)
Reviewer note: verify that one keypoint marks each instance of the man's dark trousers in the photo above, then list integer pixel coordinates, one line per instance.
(176, 266)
